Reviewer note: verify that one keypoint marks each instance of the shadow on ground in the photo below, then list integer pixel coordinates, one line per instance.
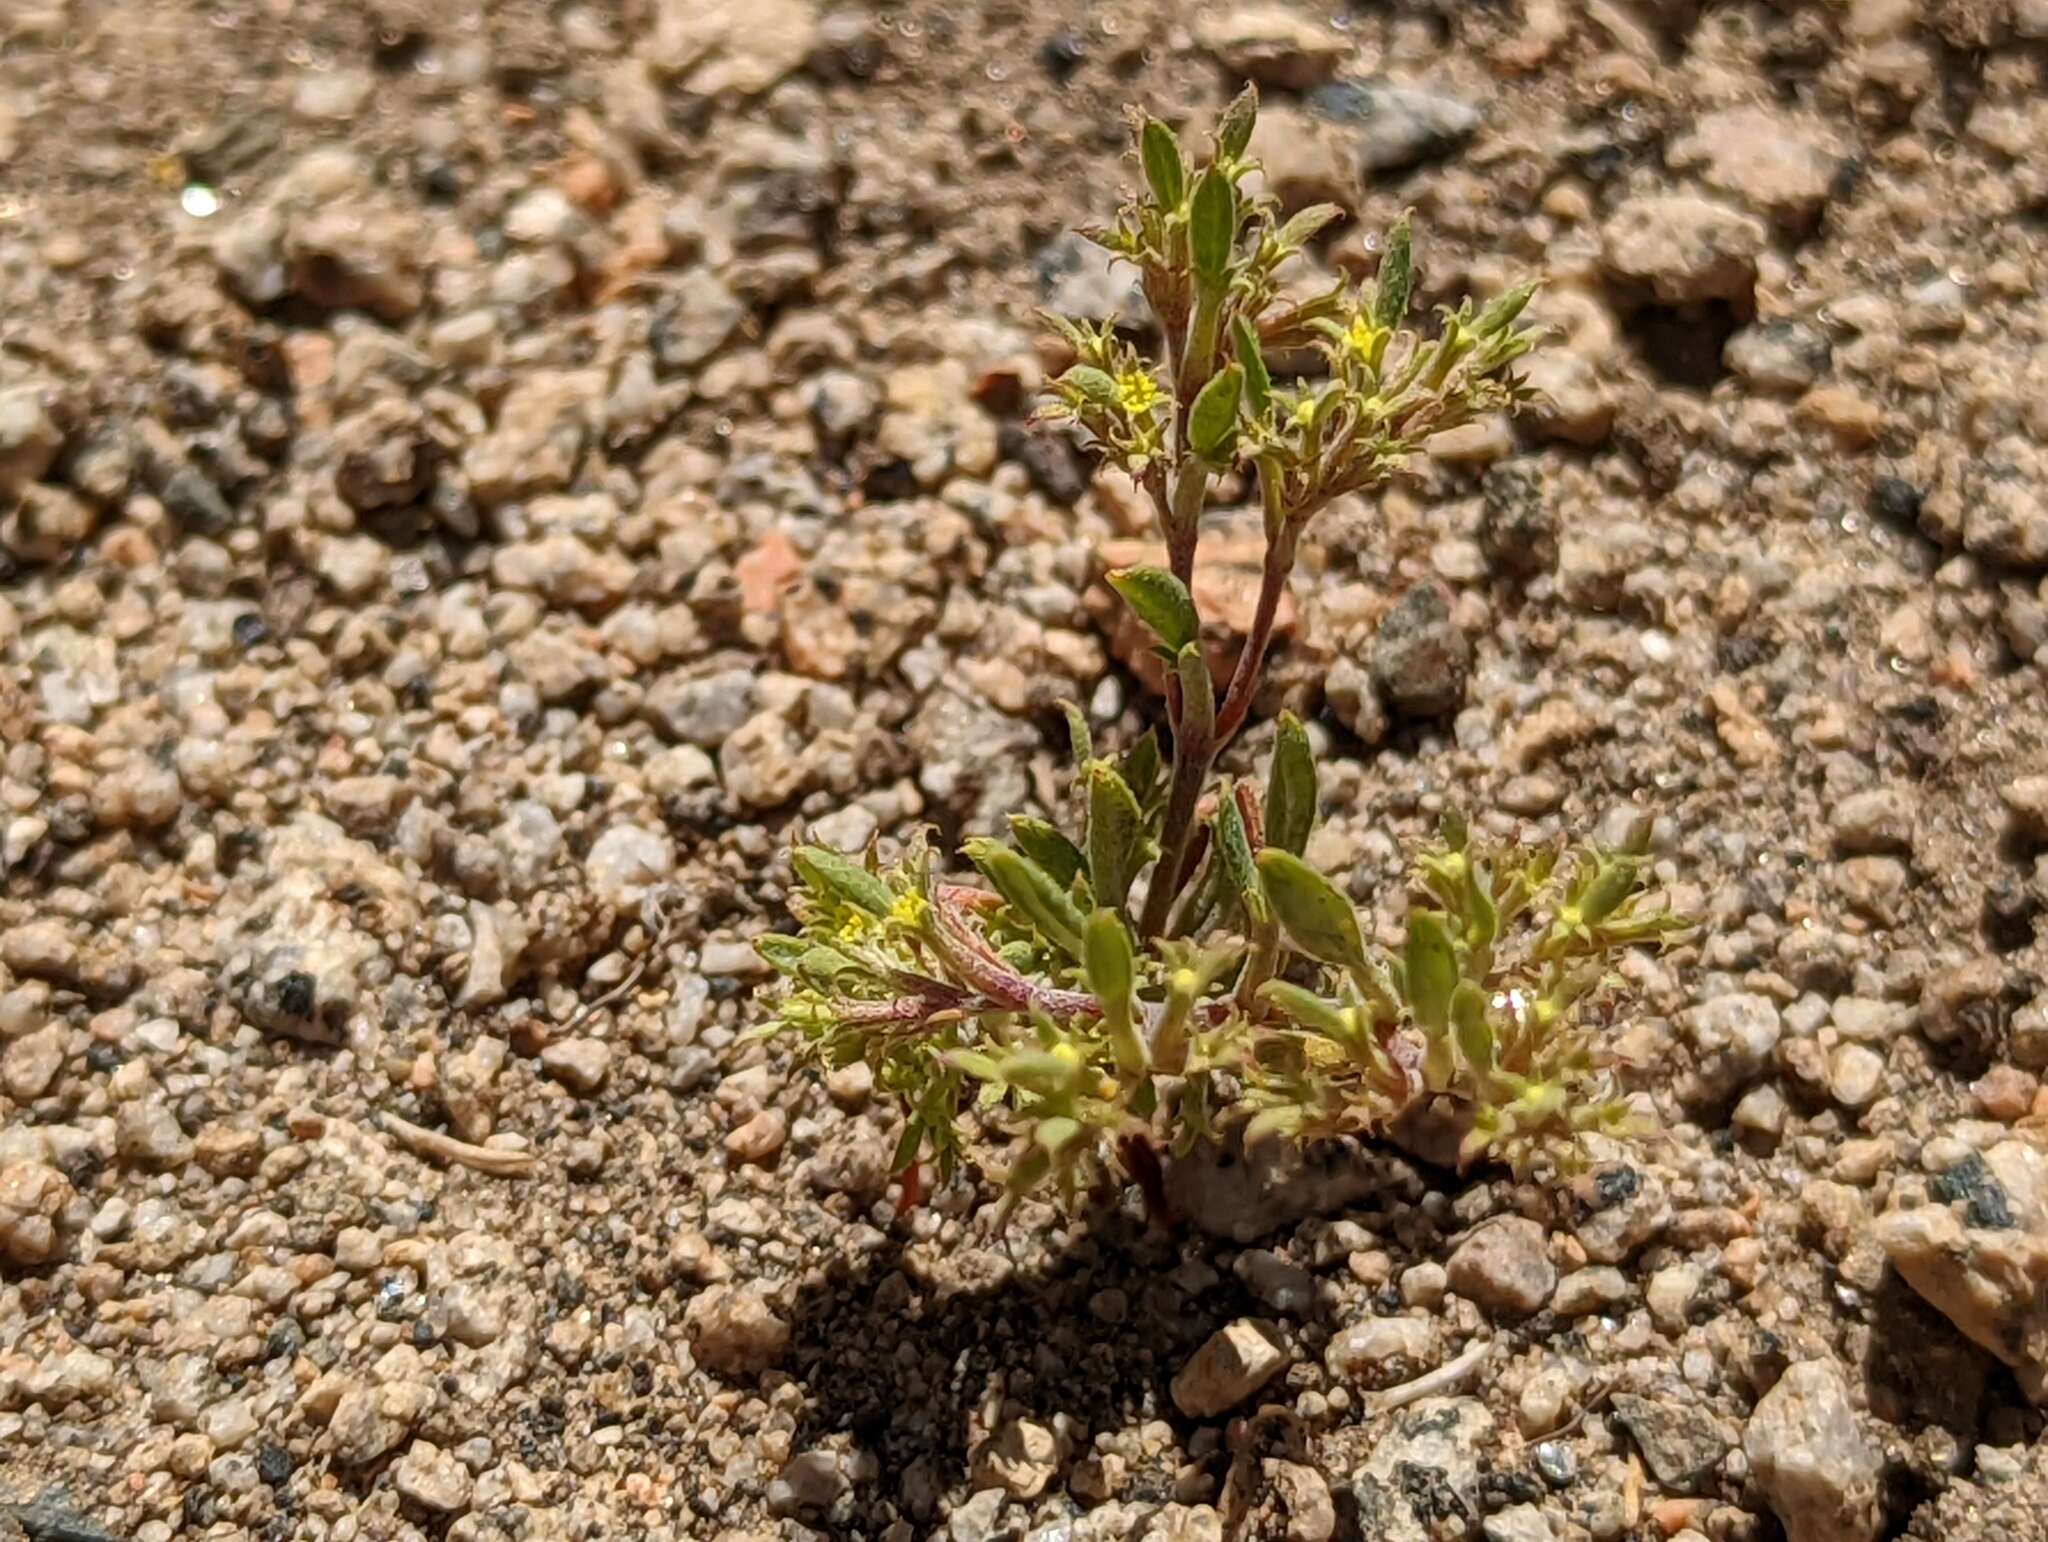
(910, 1352)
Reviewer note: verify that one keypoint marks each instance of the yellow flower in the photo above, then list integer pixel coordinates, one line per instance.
(1137, 393)
(908, 910)
(854, 927)
(1361, 338)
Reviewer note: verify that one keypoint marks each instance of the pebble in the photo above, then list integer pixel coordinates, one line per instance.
(432, 1478)
(33, 1198)
(1683, 247)
(1378, 1352)
(1879, 820)
(1770, 160)
(1427, 1465)
(1235, 1363)
(733, 1330)
(1504, 1267)
(1396, 126)
(147, 1133)
(628, 860)
(579, 1064)
(1811, 1459)
(1681, 1443)
(1419, 656)
(2026, 802)
(1855, 1075)
(1273, 45)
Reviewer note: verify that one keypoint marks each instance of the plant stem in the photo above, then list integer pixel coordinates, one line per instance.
(1191, 764)
(1190, 490)
(1244, 680)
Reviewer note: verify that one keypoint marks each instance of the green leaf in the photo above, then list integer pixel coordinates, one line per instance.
(1613, 883)
(1234, 851)
(1165, 170)
(1116, 835)
(1474, 1033)
(1078, 736)
(1212, 226)
(1197, 696)
(971, 1062)
(1108, 961)
(1091, 384)
(1291, 795)
(1396, 282)
(1258, 380)
(1501, 312)
(1031, 892)
(1305, 226)
(1431, 965)
(1234, 128)
(1212, 421)
(1162, 602)
(829, 874)
(1308, 1009)
(1141, 769)
(1054, 1135)
(906, 1146)
(1320, 920)
(1042, 1072)
(1046, 845)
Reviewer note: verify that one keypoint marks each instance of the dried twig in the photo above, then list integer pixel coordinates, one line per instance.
(655, 916)
(494, 1160)
(1442, 1379)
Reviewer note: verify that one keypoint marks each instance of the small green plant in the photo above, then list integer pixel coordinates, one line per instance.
(1173, 965)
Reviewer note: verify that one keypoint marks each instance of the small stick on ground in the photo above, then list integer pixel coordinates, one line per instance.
(493, 1160)
(1442, 1379)
(655, 916)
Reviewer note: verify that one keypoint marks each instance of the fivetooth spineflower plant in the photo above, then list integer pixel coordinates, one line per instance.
(1169, 966)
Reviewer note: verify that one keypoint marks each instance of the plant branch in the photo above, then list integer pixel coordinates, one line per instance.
(1251, 661)
(1191, 762)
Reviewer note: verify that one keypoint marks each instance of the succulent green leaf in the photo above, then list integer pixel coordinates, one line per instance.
(1234, 128)
(1212, 421)
(1305, 1007)
(1165, 169)
(1109, 964)
(1031, 892)
(1116, 835)
(1197, 696)
(1141, 768)
(1474, 1033)
(829, 873)
(1045, 844)
(906, 1146)
(1091, 384)
(1078, 736)
(1162, 602)
(1212, 225)
(1320, 920)
(1431, 967)
(972, 1062)
(1041, 1071)
(1501, 312)
(1258, 380)
(1613, 882)
(1304, 227)
(1396, 282)
(1291, 795)
(1234, 851)
(1056, 1134)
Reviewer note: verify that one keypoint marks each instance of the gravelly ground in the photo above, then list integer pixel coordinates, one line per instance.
(474, 481)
